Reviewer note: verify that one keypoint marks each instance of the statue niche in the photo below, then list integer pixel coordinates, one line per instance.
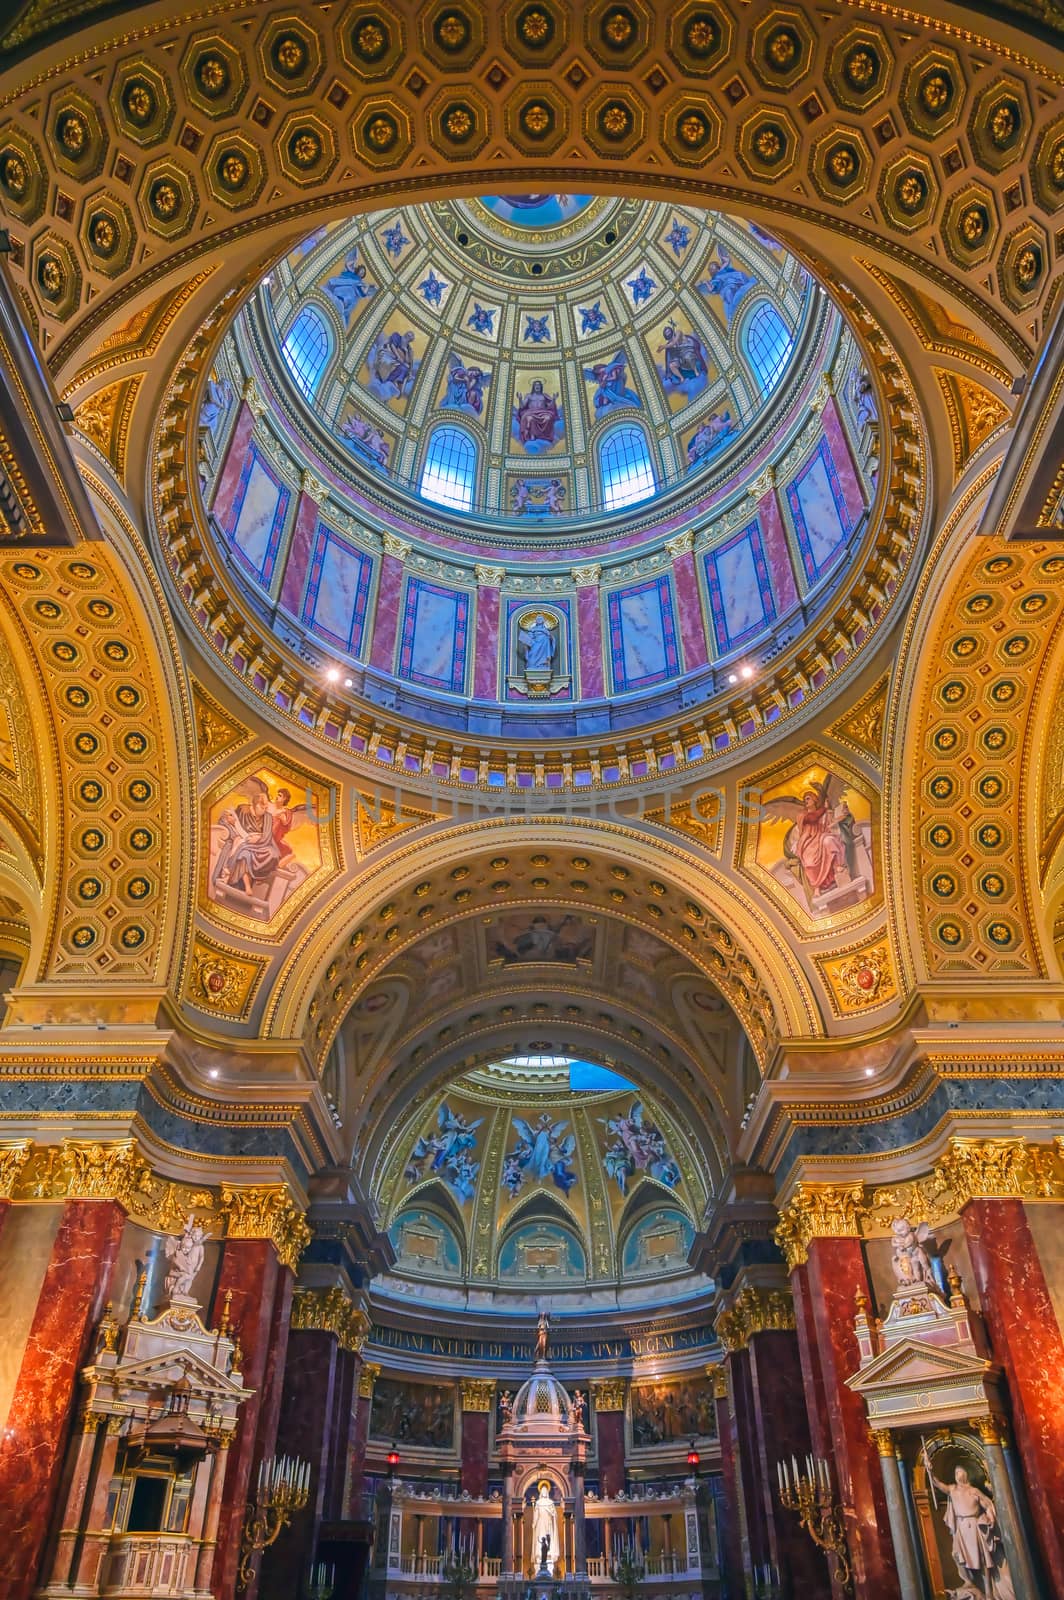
(538, 653)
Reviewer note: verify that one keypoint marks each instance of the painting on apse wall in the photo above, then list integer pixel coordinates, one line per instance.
(634, 1146)
(538, 420)
(419, 1414)
(265, 841)
(662, 1412)
(447, 1152)
(543, 1153)
(521, 936)
(815, 840)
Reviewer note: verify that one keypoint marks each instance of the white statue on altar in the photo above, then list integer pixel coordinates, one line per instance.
(971, 1517)
(545, 1528)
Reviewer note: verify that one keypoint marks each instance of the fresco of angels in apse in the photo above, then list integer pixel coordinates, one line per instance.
(447, 1153)
(544, 1149)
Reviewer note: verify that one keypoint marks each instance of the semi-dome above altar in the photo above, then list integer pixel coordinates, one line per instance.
(542, 1176)
(541, 358)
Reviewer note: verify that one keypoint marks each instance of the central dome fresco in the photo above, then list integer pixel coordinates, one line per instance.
(541, 358)
(537, 464)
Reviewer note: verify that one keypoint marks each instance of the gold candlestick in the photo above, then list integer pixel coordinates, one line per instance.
(283, 1489)
(809, 1493)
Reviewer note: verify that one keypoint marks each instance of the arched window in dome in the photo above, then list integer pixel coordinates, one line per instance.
(308, 344)
(625, 467)
(449, 475)
(766, 343)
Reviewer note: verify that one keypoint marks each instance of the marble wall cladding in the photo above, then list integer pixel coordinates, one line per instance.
(740, 591)
(819, 513)
(589, 634)
(26, 1241)
(73, 1291)
(1025, 1339)
(849, 481)
(777, 552)
(308, 1420)
(780, 1430)
(643, 641)
(486, 651)
(475, 1452)
(229, 477)
(731, 1548)
(386, 613)
(434, 636)
(297, 560)
(257, 515)
(337, 593)
(609, 1431)
(689, 611)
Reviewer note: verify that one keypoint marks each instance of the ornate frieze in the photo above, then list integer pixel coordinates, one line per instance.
(717, 1374)
(330, 1311)
(14, 1154)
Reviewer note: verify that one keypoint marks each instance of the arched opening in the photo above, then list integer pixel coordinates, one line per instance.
(626, 471)
(449, 473)
(307, 349)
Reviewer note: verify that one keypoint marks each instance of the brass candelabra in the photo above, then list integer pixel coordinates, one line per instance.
(282, 1490)
(809, 1493)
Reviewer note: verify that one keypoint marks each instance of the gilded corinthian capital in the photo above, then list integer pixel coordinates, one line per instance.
(330, 1311)
(14, 1153)
(266, 1211)
(478, 1394)
(819, 1211)
(988, 1169)
(754, 1311)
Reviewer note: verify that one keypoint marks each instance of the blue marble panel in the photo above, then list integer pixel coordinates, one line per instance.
(257, 516)
(818, 508)
(434, 636)
(740, 593)
(337, 591)
(642, 632)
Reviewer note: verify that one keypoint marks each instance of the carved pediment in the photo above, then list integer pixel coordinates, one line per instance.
(163, 1370)
(913, 1364)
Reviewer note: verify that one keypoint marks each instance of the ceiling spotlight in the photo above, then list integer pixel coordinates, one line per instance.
(349, 683)
(267, 280)
(213, 1072)
(747, 672)
(869, 1072)
(332, 674)
(732, 678)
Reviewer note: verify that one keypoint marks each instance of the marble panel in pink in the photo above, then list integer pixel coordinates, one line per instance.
(386, 614)
(486, 659)
(299, 548)
(589, 639)
(1025, 1339)
(840, 451)
(689, 606)
(777, 552)
(229, 477)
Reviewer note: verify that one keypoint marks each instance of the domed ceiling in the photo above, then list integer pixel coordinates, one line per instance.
(541, 1174)
(529, 327)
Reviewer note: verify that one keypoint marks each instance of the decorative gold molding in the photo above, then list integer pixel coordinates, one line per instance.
(330, 1311)
(608, 1394)
(367, 1378)
(266, 1211)
(587, 577)
(222, 981)
(478, 1394)
(818, 1211)
(392, 545)
(489, 577)
(859, 979)
(995, 1169)
(754, 1311)
(717, 1374)
(681, 544)
(14, 1153)
(990, 1429)
(884, 1442)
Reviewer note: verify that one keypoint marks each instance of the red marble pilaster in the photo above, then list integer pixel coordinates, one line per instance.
(777, 551)
(70, 1303)
(781, 1429)
(5, 1207)
(689, 608)
(589, 640)
(348, 1364)
(475, 1452)
(609, 1432)
(809, 1355)
(731, 1553)
(299, 550)
(1025, 1338)
(306, 1428)
(357, 1457)
(386, 614)
(840, 454)
(835, 1274)
(249, 1268)
(753, 1533)
(486, 653)
(229, 477)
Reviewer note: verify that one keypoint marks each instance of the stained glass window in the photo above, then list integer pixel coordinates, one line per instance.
(625, 467)
(766, 341)
(307, 348)
(450, 472)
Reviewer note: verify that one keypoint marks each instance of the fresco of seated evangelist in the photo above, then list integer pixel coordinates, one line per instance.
(815, 840)
(520, 936)
(662, 1412)
(413, 1413)
(264, 842)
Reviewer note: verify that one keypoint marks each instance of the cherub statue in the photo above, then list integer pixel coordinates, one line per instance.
(912, 1266)
(185, 1253)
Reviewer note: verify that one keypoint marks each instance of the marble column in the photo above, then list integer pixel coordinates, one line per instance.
(486, 636)
(478, 1397)
(905, 1556)
(1018, 1556)
(507, 1517)
(579, 1524)
(73, 1501)
(589, 632)
(71, 1301)
(608, 1397)
(1025, 1338)
(251, 1271)
(229, 477)
(836, 1273)
(781, 1429)
(368, 1372)
(386, 609)
(688, 601)
(309, 1419)
(753, 1534)
(731, 1553)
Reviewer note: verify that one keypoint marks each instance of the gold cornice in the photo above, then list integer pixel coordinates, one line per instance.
(367, 1378)
(330, 1311)
(478, 1394)
(608, 1394)
(266, 1211)
(752, 1312)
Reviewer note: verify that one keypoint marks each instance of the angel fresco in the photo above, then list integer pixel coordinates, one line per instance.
(447, 1153)
(465, 386)
(728, 281)
(391, 365)
(637, 1146)
(826, 852)
(253, 867)
(543, 1150)
(349, 286)
(683, 358)
(611, 383)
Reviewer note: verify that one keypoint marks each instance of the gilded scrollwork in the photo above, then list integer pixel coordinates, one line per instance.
(266, 1211)
(754, 1311)
(331, 1311)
